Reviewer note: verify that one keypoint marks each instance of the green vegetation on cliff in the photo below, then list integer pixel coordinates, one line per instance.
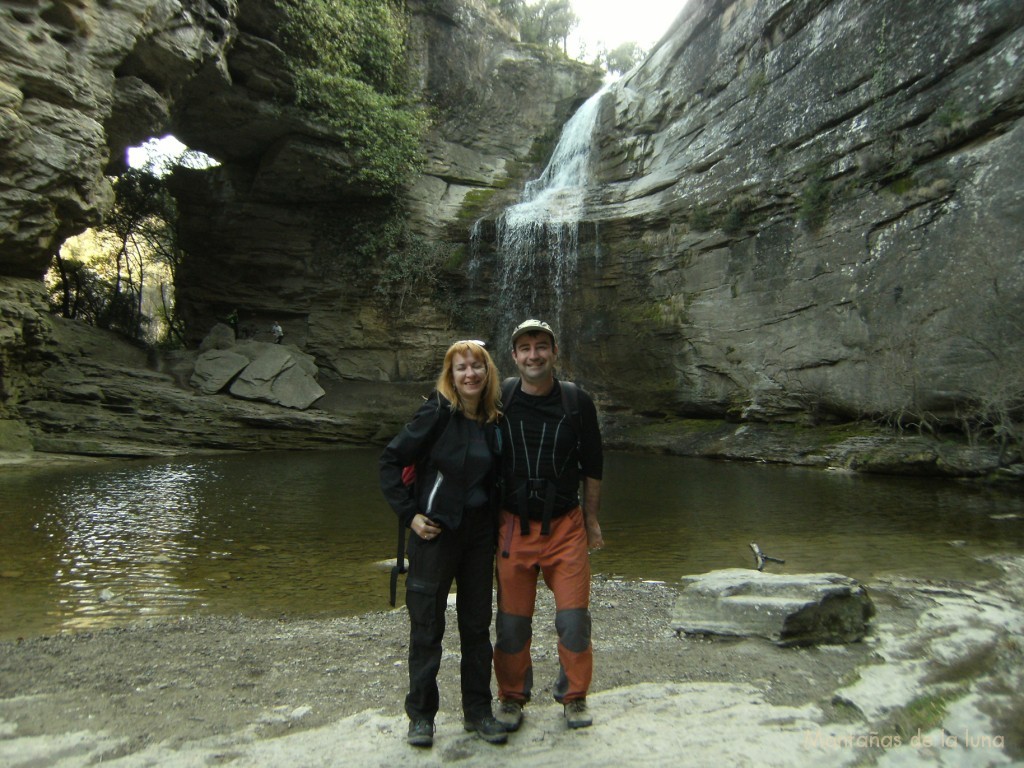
(348, 60)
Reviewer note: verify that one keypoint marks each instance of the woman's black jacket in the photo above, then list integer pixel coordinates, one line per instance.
(436, 441)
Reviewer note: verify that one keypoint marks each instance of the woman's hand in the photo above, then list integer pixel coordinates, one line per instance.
(425, 528)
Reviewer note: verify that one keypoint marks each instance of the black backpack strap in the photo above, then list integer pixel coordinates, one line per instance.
(571, 405)
(508, 391)
(522, 496)
(399, 566)
(531, 488)
(549, 508)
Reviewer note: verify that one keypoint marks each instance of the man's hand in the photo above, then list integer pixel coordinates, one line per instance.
(594, 538)
(591, 506)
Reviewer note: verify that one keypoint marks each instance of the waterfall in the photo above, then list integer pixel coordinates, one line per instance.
(537, 239)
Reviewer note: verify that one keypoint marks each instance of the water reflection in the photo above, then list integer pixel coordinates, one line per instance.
(303, 534)
(703, 515)
(125, 538)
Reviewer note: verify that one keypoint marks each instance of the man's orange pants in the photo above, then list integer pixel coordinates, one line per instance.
(562, 558)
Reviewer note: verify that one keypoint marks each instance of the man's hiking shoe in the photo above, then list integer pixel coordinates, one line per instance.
(510, 715)
(421, 733)
(576, 715)
(488, 729)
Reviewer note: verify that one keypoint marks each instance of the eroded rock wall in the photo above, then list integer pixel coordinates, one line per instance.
(805, 210)
(268, 232)
(811, 209)
(81, 80)
(71, 101)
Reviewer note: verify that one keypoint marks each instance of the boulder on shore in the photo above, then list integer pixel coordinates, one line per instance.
(278, 374)
(215, 369)
(798, 609)
(252, 370)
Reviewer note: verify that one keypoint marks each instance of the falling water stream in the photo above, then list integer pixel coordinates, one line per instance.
(538, 238)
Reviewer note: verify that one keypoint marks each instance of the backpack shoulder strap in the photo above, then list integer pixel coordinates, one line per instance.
(508, 391)
(399, 566)
(571, 404)
(444, 415)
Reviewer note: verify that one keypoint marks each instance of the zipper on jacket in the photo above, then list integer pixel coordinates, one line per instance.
(433, 493)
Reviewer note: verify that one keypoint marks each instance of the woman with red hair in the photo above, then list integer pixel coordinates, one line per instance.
(451, 511)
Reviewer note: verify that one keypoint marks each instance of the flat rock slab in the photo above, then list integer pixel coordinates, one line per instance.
(797, 609)
(277, 375)
(215, 369)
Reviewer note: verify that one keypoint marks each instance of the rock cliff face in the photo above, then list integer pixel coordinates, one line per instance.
(267, 232)
(83, 80)
(810, 209)
(801, 211)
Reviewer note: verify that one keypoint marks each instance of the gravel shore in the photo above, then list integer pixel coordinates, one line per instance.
(239, 691)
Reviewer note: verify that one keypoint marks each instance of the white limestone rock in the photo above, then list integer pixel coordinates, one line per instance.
(798, 609)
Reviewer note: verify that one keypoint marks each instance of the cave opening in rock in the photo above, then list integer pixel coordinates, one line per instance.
(161, 155)
(120, 274)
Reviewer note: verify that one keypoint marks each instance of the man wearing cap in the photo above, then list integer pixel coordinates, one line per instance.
(553, 443)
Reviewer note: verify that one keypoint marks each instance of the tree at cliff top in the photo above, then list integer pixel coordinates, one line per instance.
(546, 22)
(622, 58)
(550, 22)
(348, 61)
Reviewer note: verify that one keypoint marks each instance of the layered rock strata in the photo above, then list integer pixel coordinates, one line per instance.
(810, 211)
(804, 211)
(266, 231)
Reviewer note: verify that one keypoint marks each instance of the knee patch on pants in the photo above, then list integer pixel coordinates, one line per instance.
(573, 626)
(513, 632)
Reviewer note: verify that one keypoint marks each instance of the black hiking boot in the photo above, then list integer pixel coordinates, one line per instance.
(421, 733)
(487, 728)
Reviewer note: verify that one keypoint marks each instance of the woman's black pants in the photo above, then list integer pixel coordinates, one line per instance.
(465, 556)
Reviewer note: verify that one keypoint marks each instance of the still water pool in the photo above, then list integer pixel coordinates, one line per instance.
(305, 534)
